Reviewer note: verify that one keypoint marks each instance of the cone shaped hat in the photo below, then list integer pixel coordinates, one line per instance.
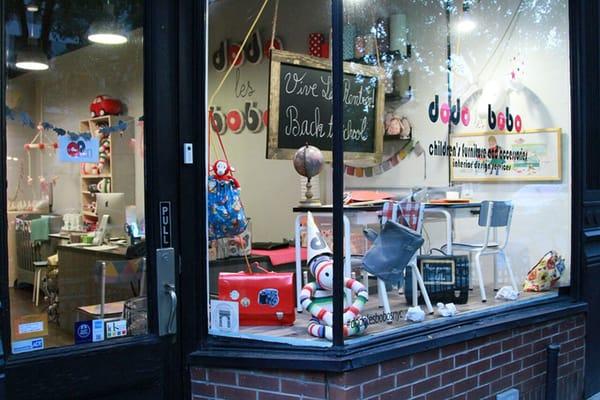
(315, 243)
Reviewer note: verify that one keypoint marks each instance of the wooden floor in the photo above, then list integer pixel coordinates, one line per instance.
(297, 334)
(21, 304)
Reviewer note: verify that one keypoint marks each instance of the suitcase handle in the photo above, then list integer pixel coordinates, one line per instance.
(257, 265)
(242, 243)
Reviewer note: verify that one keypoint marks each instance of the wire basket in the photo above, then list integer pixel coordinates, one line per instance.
(135, 312)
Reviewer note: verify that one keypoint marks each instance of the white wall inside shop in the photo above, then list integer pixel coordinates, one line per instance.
(20, 95)
(539, 40)
(535, 44)
(61, 96)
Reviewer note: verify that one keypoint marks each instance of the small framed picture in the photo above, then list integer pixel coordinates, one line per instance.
(224, 316)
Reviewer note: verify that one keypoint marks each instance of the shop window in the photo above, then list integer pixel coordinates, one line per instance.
(242, 81)
(75, 168)
(457, 161)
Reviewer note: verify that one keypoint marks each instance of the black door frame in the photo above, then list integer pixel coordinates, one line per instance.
(585, 108)
(147, 367)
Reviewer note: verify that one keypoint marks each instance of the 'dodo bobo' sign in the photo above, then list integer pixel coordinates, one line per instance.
(300, 107)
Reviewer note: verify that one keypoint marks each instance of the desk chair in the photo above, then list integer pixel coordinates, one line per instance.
(116, 272)
(493, 214)
(40, 268)
(409, 214)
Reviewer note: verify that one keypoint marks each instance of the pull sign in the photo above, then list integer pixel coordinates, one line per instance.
(188, 153)
(165, 224)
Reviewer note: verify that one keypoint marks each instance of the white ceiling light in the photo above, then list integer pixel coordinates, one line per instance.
(32, 58)
(33, 7)
(108, 30)
(466, 23)
(107, 38)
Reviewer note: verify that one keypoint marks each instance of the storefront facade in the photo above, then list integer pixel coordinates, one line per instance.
(467, 135)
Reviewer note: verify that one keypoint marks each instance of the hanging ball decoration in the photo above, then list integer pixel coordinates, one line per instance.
(308, 161)
(41, 146)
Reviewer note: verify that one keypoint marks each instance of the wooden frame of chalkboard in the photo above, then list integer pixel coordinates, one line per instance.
(365, 99)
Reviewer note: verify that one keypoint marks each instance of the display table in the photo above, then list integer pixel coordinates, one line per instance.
(448, 211)
(280, 256)
(79, 280)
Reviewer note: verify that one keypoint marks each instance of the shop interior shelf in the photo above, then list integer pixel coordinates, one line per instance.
(95, 176)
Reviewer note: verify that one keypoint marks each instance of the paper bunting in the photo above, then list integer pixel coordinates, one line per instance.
(120, 127)
(368, 172)
(27, 121)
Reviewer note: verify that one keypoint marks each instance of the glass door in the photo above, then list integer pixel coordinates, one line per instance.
(89, 286)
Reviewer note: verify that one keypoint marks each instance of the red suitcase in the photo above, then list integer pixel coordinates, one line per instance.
(265, 298)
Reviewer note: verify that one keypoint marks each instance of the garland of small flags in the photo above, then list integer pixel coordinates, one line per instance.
(27, 121)
(367, 172)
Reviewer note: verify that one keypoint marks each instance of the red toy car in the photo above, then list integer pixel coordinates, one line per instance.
(105, 105)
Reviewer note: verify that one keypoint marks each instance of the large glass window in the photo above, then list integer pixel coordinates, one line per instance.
(75, 163)
(475, 159)
(261, 56)
(456, 163)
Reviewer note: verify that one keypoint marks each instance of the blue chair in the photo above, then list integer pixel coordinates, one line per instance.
(492, 215)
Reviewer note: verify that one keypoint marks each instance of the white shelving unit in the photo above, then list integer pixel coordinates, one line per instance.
(119, 168)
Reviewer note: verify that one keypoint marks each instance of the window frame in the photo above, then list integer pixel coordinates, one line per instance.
(238, 352)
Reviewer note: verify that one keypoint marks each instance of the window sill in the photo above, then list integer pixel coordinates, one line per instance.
(227, 353)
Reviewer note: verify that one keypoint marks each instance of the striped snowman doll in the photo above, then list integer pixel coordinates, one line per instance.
(317, 297)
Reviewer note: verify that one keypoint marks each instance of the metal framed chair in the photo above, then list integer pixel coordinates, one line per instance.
(492, 215)
(409, 214)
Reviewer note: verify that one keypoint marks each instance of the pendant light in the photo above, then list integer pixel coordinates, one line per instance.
(466, 23)
(108, 30)
(33, 6)
(31, 57)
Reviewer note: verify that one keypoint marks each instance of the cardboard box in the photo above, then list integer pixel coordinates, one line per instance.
(29, 326)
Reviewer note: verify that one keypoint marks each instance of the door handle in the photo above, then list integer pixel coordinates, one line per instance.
(166, 293)
(170, 289)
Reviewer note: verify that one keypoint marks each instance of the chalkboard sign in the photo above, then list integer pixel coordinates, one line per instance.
(438, 272)
(300, 107)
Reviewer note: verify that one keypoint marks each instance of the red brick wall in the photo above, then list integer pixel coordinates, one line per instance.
(472, 370)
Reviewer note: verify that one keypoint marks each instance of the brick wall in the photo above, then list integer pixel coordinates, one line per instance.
(472, 370)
